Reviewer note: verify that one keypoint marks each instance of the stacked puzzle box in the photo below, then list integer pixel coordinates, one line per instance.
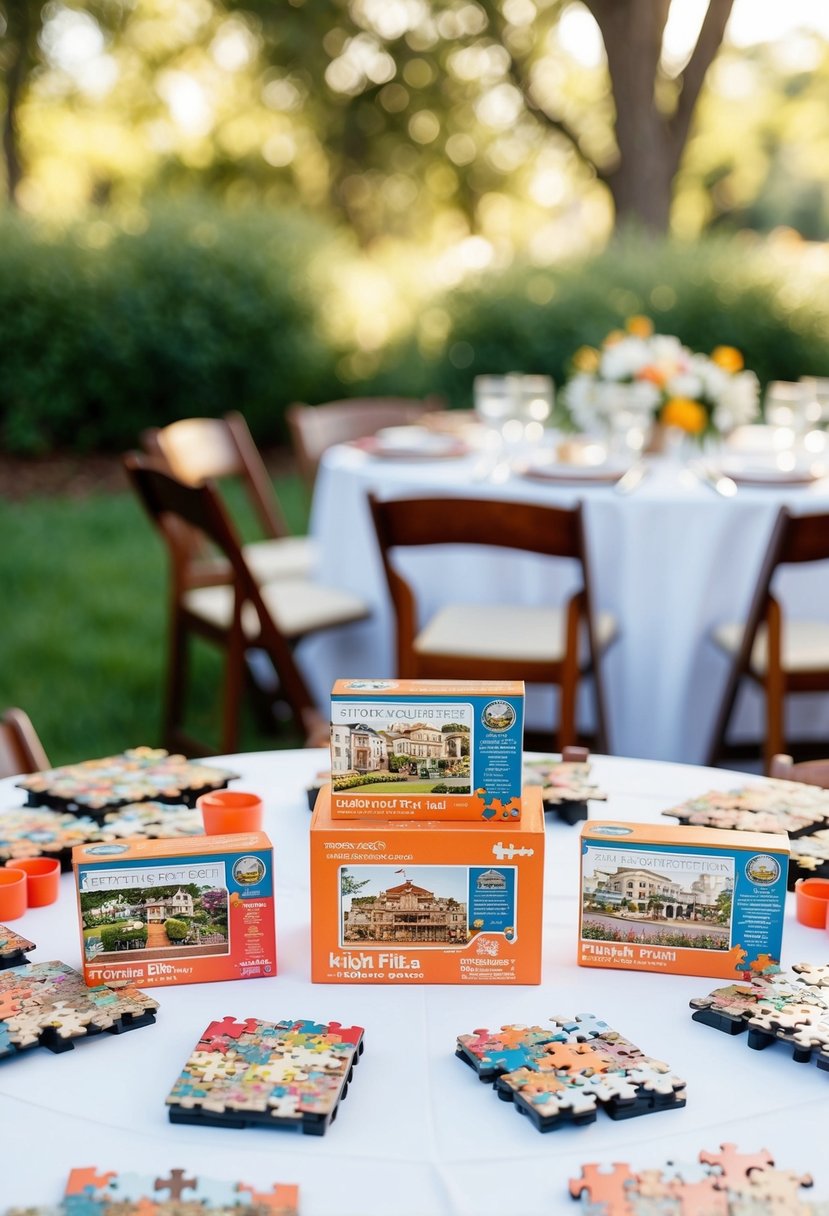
(426, 862)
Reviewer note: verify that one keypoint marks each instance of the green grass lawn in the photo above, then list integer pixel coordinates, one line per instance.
(83, 644)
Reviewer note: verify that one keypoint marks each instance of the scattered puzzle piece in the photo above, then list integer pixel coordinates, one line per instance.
(727, 1183)
(792, 1008)
(563, 1073)
(13, 948)
(49, 1003)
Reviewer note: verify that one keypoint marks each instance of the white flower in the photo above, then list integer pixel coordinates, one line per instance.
(738, 403)
(686, 384)
(624, 359)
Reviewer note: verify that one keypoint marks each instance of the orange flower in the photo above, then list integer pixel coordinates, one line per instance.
(656, 375)
(639, 326)
(728, 358)
(615, 335)
(586, 359)
(686, 414)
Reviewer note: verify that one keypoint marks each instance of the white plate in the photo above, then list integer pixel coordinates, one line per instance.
(755, 471)
(562, 471)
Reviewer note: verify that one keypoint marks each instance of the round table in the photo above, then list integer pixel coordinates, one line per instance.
(417, 1134)
(669, 561)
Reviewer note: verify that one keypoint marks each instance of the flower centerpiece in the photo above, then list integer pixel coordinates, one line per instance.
(639, 376)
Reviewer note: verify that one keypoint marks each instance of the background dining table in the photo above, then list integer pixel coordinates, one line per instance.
(670, 560)
(418, 1134)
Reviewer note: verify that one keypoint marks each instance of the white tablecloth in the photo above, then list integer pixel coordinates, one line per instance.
(670, 561)
(418, 1134)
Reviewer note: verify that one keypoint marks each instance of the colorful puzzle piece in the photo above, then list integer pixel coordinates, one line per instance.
(563, 1073)
(13, 948)
(242, 1073)
(141, 774)
(565, 786)
(178, 1193)
(50, 1004)
(773, 1006)
(727, 1183)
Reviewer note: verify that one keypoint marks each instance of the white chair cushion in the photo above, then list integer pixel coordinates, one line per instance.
(296, 605)
(513, 632)
(804, 647)
(287, 557)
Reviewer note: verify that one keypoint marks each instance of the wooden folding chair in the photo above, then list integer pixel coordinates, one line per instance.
(233, 616)
(201, 449)
(541, 645)
(779, 654)
(314, 428)
(20, 748)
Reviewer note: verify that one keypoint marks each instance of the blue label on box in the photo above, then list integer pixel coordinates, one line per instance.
(492, 900)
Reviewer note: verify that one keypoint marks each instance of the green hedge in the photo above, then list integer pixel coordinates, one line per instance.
(176, 929)
(106, 331)
(118, 937)
(715, 292)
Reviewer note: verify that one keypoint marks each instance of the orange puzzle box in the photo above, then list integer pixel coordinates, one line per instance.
(686, 900)
(427, 749)
(429, 903)
(176, 911)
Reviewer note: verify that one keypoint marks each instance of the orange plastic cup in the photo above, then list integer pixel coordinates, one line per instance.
(229, 811)
(13, 902)
(42, 879)
(812, 901)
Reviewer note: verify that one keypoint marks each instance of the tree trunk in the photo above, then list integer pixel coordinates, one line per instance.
(18, 34)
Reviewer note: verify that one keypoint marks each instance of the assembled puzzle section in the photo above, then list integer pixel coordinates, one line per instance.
(801, 811)
(682, 900)
(141, 774)
(39, 832)
(49, 1005)
(774, 1006)
(727, 1183)
(562, 1073)
(177, 911)
(566, 787)
(427, 749)
(94, 1192)
(273, 1074)
(13, 948)
(403, 902)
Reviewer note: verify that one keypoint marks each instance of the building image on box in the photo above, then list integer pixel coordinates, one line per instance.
(645, 890)
(179, 904)
(405, 913)
(364, 749)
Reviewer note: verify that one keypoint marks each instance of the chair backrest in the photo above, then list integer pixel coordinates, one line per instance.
(811, 772)
(20, 748)
(202, 449)
(314, 428)
(177, 509)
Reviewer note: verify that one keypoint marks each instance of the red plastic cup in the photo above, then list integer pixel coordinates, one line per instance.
(226, 812)
(812, 901)
(13, 901)
(42, 879)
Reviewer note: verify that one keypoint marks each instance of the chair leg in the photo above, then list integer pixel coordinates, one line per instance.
(569, 678)
(178, 662)
(775, 686)
(234, 683)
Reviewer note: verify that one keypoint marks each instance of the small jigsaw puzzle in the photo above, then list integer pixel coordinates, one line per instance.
(563, 1072)
(565, 785)
(289, 1073)
(727, 1183)
(141, 774)
(773, 1006)
(48, 1004)
(40, 832)
(13, 948)
(93, 1192)
(776, 806)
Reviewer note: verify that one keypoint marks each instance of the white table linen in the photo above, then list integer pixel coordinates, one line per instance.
(418, 1134)
(669, 561)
